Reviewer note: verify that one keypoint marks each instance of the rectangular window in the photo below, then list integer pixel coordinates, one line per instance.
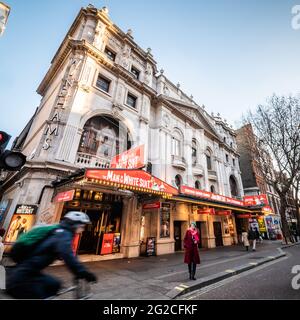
(110, 54)
(131, 100)
(135, 72)
(208, 162)
(233, 162)
(103, 83)
(227, 158)
(176, 147)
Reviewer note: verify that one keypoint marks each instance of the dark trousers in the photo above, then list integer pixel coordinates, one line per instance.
(40, 286)
(192, 268)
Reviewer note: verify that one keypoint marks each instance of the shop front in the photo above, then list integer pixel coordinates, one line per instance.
(219, 219)
(113, 199)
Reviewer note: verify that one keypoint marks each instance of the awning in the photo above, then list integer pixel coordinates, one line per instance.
(138, 181)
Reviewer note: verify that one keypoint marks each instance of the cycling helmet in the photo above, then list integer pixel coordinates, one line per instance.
(77, 217)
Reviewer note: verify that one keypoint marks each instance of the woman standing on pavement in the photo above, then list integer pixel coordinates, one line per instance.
(245, 239)
(191, 256)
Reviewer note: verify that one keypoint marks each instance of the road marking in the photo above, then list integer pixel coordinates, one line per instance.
(202, 291)
(253, 263)
(179, 288)
(229, 270)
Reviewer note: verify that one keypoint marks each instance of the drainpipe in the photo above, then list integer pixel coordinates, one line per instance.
(42, 193)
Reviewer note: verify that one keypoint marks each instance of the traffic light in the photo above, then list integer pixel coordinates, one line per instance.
(10, 160)
(4, 139)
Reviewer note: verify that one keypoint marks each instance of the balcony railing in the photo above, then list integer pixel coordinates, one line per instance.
(179, 162)
(90, 161)
(198, 169)
(212, 175)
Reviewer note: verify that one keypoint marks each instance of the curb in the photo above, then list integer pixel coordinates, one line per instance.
(206, 281)
(290, 245)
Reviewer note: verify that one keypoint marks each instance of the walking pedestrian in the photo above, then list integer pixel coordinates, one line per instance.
(253, 235)
(245, 239)
(191, 256)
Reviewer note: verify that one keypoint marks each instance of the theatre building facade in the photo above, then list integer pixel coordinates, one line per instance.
(115, 138)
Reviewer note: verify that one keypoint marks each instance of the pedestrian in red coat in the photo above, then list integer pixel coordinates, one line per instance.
(191, 255)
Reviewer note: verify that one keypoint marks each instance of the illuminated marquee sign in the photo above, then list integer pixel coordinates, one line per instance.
(138, 179)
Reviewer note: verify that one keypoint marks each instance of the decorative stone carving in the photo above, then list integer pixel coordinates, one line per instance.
(166, 91)
(125, 56)
(148, 74)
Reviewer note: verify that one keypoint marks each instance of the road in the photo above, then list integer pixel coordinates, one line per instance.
(270, 281)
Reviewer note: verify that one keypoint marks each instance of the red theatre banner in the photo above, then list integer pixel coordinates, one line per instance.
(206, 211)
(208, 195)
(131, 178)
(130, 159)
(256, 200)
(153, 205)
(223, 212)
(64, 196)
(244, 216)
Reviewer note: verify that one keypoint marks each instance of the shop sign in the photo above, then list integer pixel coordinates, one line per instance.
(256, 200)
(244, 216)
(107, 243)
(138, 179)
(22, 221)
(261, 224)
(223, 212)
(152, 205)
(267, 209)
(150, 246)
(206, 211)
(130, 159)
(64, 196)
(209, 195)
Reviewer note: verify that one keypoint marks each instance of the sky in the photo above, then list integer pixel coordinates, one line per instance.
(231, 55)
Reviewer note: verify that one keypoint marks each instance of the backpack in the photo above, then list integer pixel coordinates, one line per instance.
(28, 241)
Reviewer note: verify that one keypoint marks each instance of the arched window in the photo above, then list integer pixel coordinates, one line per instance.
(178, 180)
(233, 187)
(197, 184)
(208, 160)
(103, 137)
(194, 151)
(177, 143)
(212, 189)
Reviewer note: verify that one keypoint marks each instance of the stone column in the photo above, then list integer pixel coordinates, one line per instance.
(130, 229)
(208, 240)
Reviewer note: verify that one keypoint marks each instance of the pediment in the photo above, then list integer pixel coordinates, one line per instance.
(194, 113)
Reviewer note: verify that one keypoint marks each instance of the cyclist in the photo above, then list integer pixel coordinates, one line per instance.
(26, 281)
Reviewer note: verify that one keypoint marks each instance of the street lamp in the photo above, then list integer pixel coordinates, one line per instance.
(4, 13)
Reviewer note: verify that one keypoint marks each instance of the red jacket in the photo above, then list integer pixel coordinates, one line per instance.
(191, 253)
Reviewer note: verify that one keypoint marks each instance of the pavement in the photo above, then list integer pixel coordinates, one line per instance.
(166, 277)
(275, 280)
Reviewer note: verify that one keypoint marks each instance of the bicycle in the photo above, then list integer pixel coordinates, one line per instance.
(80, 288)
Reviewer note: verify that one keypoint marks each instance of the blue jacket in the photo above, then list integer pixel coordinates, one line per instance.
(57, 246)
